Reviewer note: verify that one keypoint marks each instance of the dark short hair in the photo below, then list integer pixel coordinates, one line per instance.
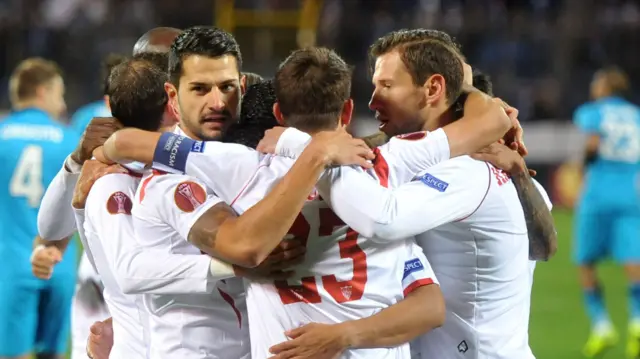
(29, 75)
(204, 41)
(256, 115)
(252, 78)
(109, 62)
(160, 59)
(423, 58)
(311, 86)
(136, 94)
(482, 82)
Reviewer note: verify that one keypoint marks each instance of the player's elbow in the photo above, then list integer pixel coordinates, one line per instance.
(248, 256)
(387, 232)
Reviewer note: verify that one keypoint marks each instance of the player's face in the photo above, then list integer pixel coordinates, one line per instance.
(397, 101)
(209, 95)
(53, 97)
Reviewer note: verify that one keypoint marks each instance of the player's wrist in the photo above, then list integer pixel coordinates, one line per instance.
(348, 334)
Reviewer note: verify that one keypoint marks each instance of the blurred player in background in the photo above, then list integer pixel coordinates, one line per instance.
(34, 314)
(608, 214)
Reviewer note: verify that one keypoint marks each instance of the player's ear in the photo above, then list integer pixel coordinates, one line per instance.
(434, 89)
(243, 83)
(278, 114)
(347, 112)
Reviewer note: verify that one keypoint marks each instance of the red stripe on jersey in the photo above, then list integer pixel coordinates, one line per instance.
(229, 299)
(246, 184)
(483, 198)
(145, 183)
(381, 167)
(417, 284)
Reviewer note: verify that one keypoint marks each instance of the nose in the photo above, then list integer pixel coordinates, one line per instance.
(374, 103)
(215, 99)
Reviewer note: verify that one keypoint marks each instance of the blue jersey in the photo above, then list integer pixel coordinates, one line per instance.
(84, 114)
(612, 176)
(33, 149)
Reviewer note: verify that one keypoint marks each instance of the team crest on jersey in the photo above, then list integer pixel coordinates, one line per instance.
(189, 195)
(119, 203)
(414, 136)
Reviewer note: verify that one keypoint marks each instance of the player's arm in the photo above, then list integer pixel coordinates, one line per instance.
(441, 195)
(541, 230)
(422, 310)
(587, 119)
(213, 162)
(55, 216)
(248, 239)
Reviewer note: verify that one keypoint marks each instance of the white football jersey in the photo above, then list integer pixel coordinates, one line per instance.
(212, 324)
(107, 220)
(344, 276)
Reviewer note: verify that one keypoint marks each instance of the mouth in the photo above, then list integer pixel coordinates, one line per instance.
(383, 121)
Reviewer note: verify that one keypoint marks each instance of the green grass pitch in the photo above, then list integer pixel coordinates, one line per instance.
(559, 325)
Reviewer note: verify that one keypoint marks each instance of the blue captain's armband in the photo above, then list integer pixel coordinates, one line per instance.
(172, 152)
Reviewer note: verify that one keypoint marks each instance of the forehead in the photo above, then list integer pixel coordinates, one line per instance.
(389, 66)
(210, 69)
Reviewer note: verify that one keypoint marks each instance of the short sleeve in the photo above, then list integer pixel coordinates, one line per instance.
(223, 167)
(409, 154)
(587, 118)
(292, 142)
(416, 270)
(179, 200)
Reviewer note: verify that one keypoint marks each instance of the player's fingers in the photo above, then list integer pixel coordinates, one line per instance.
(96, 328)
(362, 162)
(283, 347)
(532, 173)
(41, 272)
(286, 264)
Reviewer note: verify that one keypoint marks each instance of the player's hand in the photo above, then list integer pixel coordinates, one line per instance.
(96, 133)
(270, 140)
(43, 259)
(290, 252)
(100, 340)
(340, 148)
(503, 157)
(91, 171)
(515, 137)
(312, 341)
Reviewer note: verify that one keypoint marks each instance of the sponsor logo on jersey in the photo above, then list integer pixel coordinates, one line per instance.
(412, 266)
(463, 347)
(433, 182)
(189, 196)
(198, 146)
(413, 136)
(119, 203)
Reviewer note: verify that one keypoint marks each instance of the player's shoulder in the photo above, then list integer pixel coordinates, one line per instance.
(408, 139)
(113, 192)
(587, 108)
(159, 186)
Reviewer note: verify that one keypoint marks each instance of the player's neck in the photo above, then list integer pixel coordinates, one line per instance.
(32, 104)
(439, 117)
